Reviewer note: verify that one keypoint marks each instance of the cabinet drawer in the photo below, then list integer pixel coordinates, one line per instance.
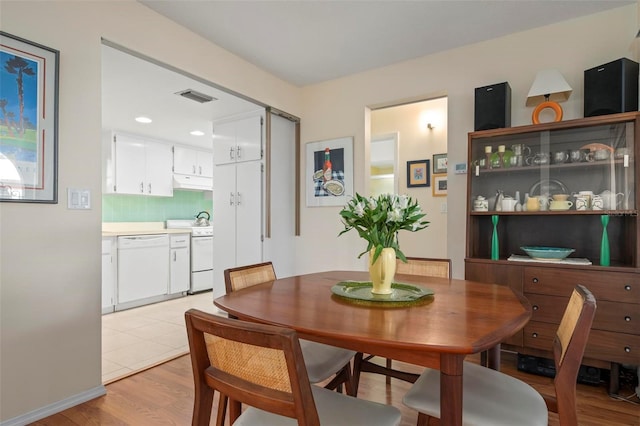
(614, 286)
(605, 345)
(611, 316)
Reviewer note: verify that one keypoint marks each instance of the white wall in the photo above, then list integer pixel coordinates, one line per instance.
(50, 256)
(338, 108)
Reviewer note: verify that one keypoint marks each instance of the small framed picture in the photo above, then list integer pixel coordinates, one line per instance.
(418, 173)
(440, 163)
(440, 185)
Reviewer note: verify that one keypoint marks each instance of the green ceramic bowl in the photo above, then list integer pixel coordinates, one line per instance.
(547, 253)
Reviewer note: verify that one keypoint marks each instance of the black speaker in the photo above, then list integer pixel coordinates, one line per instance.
(611, 88)
(493, 107)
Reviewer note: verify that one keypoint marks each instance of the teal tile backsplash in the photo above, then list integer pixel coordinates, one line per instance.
(140, 208)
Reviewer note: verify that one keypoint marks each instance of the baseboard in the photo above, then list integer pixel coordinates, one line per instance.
(56, 407)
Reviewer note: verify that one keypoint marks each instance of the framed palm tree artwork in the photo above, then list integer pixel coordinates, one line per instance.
(28, 121)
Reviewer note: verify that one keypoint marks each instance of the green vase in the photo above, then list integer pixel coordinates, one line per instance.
(605, 255)
(495, 248)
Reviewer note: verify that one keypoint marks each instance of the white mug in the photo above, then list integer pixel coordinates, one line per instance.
(582, 202)
(597, 202)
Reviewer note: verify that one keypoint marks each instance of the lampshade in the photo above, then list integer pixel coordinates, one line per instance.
(551, 83)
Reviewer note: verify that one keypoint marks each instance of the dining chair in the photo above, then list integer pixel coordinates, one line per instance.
(440, 268)
(262, 366)
(321, 361)
(493, 398)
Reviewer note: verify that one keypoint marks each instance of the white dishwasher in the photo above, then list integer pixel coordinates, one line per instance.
(143, 266)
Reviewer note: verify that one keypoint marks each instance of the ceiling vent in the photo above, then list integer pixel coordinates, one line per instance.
(196, 96)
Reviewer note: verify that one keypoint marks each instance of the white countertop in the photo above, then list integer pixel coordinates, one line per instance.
(116, 229)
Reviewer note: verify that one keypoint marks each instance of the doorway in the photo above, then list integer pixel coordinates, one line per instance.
(420, 133)
(180, 115)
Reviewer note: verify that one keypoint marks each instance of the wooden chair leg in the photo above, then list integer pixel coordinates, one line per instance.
(202, 404)
(235, 409)
(342, 377)
(389, 363)
(222, 409)
(357, 366)
(423, 420)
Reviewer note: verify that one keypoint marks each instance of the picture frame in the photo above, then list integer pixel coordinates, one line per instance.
(336, 188)
(439, 188)
(28, 121)
(418, 173)
(440, 163)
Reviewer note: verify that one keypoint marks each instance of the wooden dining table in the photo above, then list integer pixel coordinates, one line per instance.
(461, 317)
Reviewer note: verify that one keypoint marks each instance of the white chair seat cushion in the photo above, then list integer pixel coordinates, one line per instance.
(334, 409)
(488, 398)
(323, 361)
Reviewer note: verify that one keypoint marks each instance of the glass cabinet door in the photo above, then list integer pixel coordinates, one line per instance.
(551, 184)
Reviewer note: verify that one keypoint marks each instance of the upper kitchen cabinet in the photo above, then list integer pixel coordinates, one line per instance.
(193, 162)
(238, 140)
(137, 165)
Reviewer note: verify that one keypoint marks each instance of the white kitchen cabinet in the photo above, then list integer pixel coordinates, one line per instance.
(192, 162)
(237, 224)
(237, 195)
(180, 267)
(137, 165)
(108, 275)
(238, 140)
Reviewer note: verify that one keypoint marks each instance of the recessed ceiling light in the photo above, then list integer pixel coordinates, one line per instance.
(142, 119)
(197, 133)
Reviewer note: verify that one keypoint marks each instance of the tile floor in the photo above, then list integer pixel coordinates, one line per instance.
(139, 338)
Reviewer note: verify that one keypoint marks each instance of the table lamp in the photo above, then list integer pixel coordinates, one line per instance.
(547, 90)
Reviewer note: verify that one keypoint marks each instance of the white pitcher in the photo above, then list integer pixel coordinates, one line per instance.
(611, 200)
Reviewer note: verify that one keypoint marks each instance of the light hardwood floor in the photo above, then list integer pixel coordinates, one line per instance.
(163, 395)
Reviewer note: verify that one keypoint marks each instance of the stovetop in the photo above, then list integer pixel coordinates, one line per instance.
(196, 231)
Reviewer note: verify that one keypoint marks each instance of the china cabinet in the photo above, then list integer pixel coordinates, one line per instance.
(569, 184)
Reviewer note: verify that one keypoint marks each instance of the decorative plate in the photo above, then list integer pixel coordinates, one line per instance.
(547, 253)
(361, 291)
(596, 146)
(548, 186)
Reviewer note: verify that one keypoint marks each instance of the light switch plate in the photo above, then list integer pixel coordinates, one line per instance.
(78, 199)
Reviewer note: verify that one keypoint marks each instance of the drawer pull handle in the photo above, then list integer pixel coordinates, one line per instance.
(535, 280)
(627, 318)
(535, 307)
(627, 287)
(627, 349)
(534, 335)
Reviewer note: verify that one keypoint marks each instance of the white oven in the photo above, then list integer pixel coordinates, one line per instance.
(201, 254)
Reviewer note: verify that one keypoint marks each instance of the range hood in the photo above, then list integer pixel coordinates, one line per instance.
(195, 183)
